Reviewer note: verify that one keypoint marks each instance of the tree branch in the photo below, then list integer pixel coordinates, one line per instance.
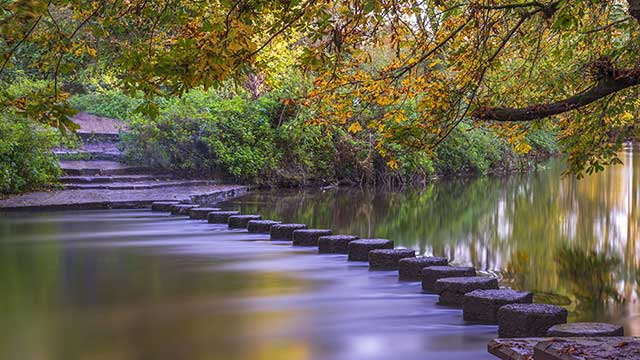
(634, 9)
(621, 80)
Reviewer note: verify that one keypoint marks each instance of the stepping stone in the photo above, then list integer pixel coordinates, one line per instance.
(309, 237)
(261, 226)
(591, 348)
(513, 349)
(358, 250)
(529, 320)
(220, 217)
(585, 329)
(285, 231)
(431, 274)
(481, 306)
(182, 209)
(410, 269)
(201, 213)
(335, 244)
(387, 259)
(452, 290)
(241, 221)
(163, 205)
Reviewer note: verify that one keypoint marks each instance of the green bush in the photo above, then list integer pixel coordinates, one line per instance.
(26, 161)
(470, 150)
(543, 141)
(107, 103)
(201, 134)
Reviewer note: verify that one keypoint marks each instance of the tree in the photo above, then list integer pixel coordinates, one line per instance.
(407, 71)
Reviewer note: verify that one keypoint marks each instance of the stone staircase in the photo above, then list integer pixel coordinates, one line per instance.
(95, 177)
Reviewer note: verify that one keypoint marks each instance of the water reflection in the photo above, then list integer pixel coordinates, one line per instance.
(132, 285)
(570, 241)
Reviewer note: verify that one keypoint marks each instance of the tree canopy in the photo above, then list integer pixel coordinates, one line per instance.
(411, 71)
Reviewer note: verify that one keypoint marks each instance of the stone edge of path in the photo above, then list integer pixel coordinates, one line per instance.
(202, 198)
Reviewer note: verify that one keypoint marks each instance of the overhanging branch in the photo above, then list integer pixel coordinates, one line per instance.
(622, 80)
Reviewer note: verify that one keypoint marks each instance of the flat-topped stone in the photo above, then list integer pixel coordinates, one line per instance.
(387, 259)
(285, 231)
(116, 199)
(529, 320)
(335, 244)
(261, 226)
(182, 209)
(513, 349)
(481, 306)
(591, 348)
(201, 213)
(163, 205)
(309, 237)
(431, 274)
(585, 329)
(453, 290)
(241, 221)
(220, 217)
(358, 250)
(410, 269)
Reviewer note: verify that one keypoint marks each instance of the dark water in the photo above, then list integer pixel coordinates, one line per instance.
(141, 285)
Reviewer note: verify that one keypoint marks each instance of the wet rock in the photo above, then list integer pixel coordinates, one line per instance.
(335, 244)
(241, 221)
(358, 250)
(513, 349)
(387, 259)
(592, 348)
(261, 226)
(309, 237)
(481, 306)
(220, 217)
(410, 269)
(529, 320)
(285, 231)
(201, 213)
(452, 290)
(585, 329)
(163, 205)
(182, 209)
(431, 274)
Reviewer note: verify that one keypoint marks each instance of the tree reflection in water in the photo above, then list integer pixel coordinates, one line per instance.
(559, 237)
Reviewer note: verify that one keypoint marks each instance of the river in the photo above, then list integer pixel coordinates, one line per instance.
(132, 284)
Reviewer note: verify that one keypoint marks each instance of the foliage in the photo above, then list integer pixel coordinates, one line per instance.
(469, 149)
(506, 63)
(201, 134)
(108, 103)
(26, 161)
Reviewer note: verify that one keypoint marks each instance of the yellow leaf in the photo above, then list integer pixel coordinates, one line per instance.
(354, 127)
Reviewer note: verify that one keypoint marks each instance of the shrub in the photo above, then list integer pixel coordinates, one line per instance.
(26, 161)
(471, 150)
(107, 103)
(201, 134)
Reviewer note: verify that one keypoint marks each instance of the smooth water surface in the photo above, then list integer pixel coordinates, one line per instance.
(141, 285)
(571, 242)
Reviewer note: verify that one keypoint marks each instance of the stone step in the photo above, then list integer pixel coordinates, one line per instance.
(112, 199)
(87, 155)
(140, 185)
(91, 137)
(97, 167)
(113, 179)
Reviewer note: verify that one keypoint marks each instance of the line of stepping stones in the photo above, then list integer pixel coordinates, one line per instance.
(481, 299)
